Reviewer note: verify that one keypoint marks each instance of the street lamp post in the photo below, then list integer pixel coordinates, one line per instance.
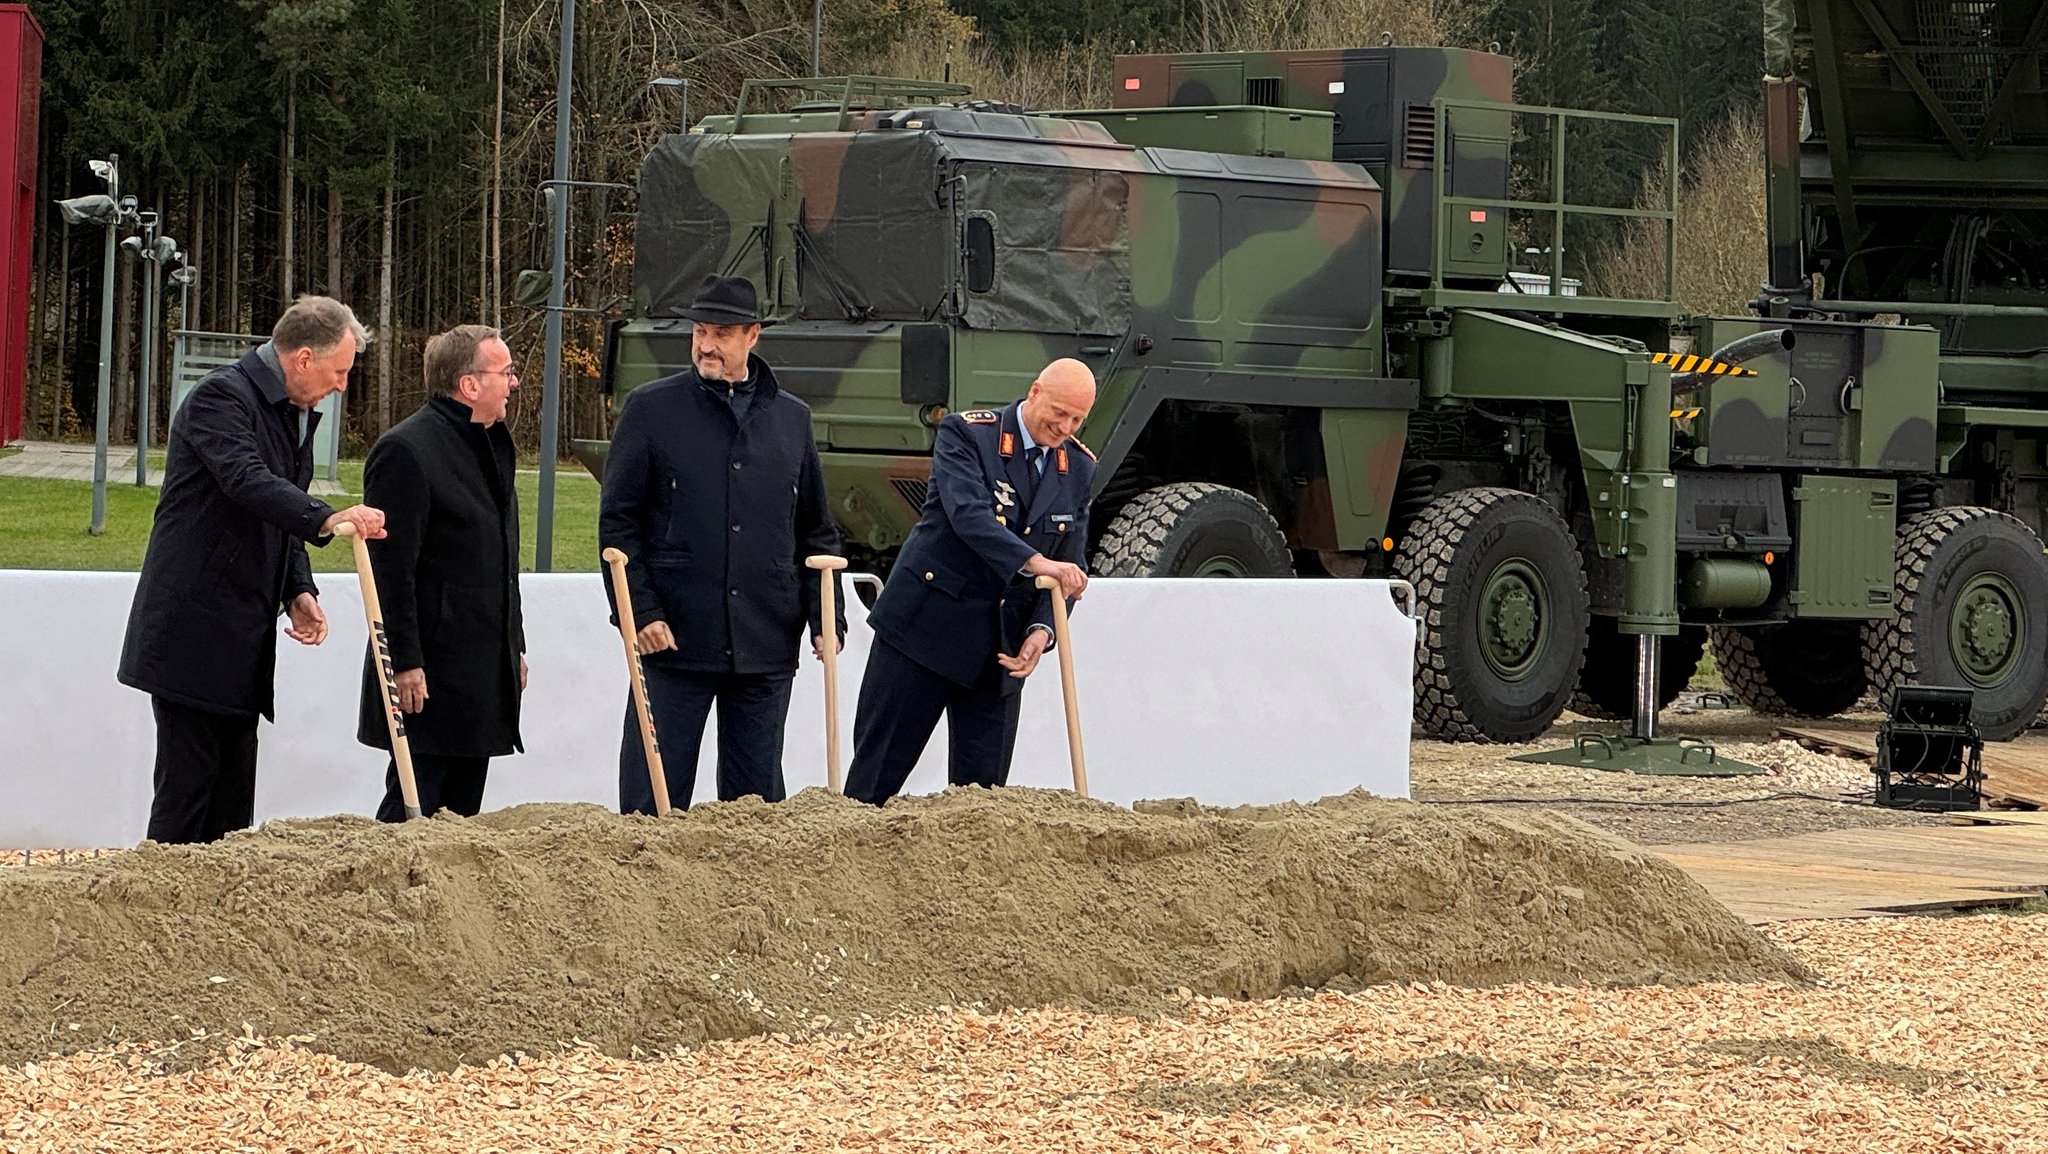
(558, 250)
(112, 210)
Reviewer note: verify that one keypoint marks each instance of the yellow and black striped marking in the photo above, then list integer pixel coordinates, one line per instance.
(1694, 363)
(1684, 414)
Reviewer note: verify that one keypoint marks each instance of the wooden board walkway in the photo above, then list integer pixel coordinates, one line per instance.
(2015, 772)
(1985, 859)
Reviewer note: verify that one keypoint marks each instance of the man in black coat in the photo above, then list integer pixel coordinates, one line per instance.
(226, 554)
(961, 622)
(448, 577)
(713, 491)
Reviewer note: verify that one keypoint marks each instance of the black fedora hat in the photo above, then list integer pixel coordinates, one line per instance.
(725, 300)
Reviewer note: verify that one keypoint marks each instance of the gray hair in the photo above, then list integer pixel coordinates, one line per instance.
(317, 323)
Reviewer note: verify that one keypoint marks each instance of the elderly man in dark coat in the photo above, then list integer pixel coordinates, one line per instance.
(448, 577)
(226, 555)
(713, 491)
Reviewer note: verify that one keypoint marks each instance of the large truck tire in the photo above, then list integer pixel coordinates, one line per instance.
(1193, 529)
(1972, 597)
(1502, 596)
(1799, 668)
(1607, 681)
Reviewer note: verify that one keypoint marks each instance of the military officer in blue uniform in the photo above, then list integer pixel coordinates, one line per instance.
(961, 622)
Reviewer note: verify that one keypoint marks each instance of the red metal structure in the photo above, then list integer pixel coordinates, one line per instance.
(21, 77)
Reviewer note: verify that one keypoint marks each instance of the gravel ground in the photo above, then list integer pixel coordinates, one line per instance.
(1925, 1035)
(1802, 792)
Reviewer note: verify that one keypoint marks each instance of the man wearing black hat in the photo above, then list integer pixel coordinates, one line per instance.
(713, 491)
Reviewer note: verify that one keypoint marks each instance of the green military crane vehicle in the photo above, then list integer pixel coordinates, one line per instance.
(1299, 277)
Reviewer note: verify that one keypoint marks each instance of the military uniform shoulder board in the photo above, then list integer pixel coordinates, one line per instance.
(1076, 442)
(981, 416)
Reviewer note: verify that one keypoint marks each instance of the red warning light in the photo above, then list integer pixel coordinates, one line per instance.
(1478, 216)
(1130, 84)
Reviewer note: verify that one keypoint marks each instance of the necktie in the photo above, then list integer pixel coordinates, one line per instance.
(1035, 457)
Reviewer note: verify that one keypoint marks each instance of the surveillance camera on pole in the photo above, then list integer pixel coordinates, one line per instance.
(110, 210)
(98, 208)
(156, 250)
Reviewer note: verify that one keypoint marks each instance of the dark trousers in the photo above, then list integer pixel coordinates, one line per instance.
(752, 710)
(455, 783)
(205, 773)
(900, 704)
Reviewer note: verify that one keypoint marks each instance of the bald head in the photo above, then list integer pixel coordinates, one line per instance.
(1058, 402)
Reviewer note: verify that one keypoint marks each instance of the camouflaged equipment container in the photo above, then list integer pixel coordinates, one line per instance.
(1290, 273)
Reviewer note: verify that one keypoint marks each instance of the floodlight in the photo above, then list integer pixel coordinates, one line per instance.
(98, 208)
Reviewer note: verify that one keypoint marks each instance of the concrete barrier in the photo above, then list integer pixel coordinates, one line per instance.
(1231, 692)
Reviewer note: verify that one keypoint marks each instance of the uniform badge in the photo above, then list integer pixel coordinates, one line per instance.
(1005, 494)
(981, 416)
(1008, 445)
(1063, 460)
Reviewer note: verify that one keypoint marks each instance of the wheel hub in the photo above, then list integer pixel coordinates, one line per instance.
(1221, 565)
(1512, 627)
(1986, 629)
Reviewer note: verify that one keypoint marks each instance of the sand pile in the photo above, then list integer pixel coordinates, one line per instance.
(453, 940)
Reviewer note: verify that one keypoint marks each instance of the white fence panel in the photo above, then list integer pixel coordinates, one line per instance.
(1231, 692)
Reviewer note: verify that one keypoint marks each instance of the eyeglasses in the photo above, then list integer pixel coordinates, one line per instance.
(494, 373)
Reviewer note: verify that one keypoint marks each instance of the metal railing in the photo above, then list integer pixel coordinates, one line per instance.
(1557, 206)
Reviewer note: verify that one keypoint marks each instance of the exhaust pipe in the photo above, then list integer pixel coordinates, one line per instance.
(1737, 351)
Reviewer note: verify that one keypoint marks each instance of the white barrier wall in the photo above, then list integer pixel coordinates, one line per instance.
(1230, 692)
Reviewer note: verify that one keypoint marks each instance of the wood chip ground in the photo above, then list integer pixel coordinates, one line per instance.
(1926, 1035)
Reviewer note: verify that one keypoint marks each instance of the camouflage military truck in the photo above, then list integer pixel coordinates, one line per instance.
(1291, 274)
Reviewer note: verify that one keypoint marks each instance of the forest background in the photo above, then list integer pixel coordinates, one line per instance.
(388, 152)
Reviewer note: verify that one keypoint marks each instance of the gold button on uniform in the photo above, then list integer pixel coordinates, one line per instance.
(927, 574)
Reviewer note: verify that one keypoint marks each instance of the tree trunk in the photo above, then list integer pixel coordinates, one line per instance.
(191, 304)
(483, 254)
(234, 269)
(334, 243)
(61, 379)
(386, 387)
(124, 358)
(429, 296)
(285, 281)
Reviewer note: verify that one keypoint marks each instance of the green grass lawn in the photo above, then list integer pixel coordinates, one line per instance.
(43, 523)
